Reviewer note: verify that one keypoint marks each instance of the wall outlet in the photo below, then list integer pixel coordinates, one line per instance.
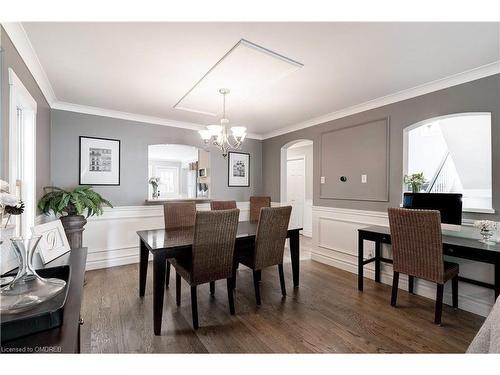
(364, 179)
(322, 179)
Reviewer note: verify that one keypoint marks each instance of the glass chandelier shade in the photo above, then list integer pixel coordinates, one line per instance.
(218, 135)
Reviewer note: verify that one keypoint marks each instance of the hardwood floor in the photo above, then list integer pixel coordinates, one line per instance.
(325, 314)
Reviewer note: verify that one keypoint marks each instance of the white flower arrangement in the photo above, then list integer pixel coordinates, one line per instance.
(486, 225)
(9, 203)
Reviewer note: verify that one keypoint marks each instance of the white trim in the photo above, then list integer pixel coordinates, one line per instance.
(20, 98)
(22, 43)
(334, 242)
(440, 84)
(20, 40)
(97, 111)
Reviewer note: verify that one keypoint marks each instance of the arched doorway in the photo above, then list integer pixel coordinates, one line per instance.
(297, 182)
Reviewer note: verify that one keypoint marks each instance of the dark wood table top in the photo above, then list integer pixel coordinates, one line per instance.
(161, 239)
(449, 238)
(65, 338)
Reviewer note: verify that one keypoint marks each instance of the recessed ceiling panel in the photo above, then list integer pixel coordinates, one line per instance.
(245, 70)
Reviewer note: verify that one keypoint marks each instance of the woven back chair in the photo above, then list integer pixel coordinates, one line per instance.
(417, 249)
(222, 205)
(256, 203)
(271, 235)
(270, 238)
(179, 214)
(211, 257)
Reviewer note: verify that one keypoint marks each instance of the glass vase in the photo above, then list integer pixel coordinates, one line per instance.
(27, 289)
(487, 235)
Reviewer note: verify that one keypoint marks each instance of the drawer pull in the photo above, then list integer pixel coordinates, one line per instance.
(81, 321)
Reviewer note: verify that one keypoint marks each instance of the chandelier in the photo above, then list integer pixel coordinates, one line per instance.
(218, 135)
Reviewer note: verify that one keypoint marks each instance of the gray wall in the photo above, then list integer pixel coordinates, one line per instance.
(135, 138)
(482, 95)
(12, 59)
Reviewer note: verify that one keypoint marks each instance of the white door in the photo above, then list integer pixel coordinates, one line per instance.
(295, 183)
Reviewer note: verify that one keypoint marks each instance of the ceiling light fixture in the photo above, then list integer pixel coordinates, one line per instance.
(218, 135)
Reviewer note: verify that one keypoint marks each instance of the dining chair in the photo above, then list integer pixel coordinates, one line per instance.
(178, 215)
(211, 256)
(222, 205)
(269, 246)
(256, 203)
(417, 247)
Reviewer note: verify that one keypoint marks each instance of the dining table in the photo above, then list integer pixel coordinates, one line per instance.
(175, 243)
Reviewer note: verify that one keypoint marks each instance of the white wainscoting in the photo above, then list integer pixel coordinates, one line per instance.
(112, 240)
(335, 242)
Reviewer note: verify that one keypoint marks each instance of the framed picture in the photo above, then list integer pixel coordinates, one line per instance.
(99, 161)
(238, 169)
(53, 243)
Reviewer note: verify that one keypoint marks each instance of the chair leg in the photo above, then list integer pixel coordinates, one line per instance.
(282, 279)
(439, 304)
(454, 291)
(178, 289)
(194, 307)
(212, 288)
(167, 276)
(410, 284)
(395, 284)
(230, 295)
(256, 279)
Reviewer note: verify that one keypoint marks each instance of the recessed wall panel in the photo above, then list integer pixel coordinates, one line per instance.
(354, 162)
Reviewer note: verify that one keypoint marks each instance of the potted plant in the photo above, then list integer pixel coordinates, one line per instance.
(70, 205)
(415, 181)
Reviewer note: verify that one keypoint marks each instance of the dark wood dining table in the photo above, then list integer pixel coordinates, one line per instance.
(171, 243)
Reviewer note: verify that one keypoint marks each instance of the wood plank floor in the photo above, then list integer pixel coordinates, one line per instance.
(325, 314)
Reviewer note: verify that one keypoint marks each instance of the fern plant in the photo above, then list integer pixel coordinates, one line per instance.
(74, 202)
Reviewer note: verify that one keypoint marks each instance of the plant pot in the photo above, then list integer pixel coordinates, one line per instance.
(73, 226)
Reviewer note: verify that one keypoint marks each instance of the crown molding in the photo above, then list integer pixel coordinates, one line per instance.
(19, 38)
(97, 111)
(453, 80)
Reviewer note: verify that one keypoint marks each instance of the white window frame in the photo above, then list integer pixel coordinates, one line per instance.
(406, 132)
(20, 98)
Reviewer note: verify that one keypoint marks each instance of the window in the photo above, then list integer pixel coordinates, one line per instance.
(22, 151)
(454, 153)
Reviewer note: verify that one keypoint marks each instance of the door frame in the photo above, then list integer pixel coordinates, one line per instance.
(303, 158)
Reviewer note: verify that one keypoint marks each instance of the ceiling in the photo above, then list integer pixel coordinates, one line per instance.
(146, 68)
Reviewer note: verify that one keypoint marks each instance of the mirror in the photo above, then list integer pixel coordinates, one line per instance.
(177, 172)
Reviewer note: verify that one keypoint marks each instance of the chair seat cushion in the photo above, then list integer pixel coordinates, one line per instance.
(450, 270)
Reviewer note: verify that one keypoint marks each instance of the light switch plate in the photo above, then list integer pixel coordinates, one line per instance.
(322, 179)
(364, 179)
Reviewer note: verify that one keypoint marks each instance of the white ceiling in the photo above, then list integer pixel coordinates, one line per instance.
(146, 68)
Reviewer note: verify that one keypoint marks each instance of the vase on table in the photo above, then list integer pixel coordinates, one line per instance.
(27, 289)
(5, 235)
(487, 235)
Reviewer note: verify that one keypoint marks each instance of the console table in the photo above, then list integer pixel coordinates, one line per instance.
(64, 339)
(459, 247)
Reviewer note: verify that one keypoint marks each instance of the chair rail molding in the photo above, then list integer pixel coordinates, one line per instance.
(335, 242)
(111, 238)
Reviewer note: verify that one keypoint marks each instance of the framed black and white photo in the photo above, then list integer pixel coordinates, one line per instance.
(99, 161)
(53, 243)
(238, 169)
